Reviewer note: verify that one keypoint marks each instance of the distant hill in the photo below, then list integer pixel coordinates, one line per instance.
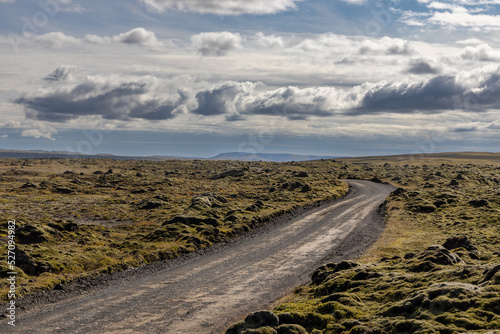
(223, 156)
(442, 157)
(38, 154)
(244, 156)
(241, 156)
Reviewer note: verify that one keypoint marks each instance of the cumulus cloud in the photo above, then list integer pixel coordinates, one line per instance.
(348, 47)
(228, 99)
(475, 91)
(61, 73)
(40, 131)
(223, 7)
(151, 98)
(55, 40)
(139, 36)
(58, 40)
(107, 96)
(455, 14)
(421, 66)
(12, 124)
(269, 41)
(481, 52)
(216, 43)
(299, 103)
(462, 17)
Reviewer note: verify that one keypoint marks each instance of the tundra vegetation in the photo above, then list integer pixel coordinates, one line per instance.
(82, 218)
(436, 268)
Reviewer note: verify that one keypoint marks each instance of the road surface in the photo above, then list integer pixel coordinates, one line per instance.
(208, 293)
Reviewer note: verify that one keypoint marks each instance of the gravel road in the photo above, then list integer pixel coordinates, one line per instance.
(207, 293)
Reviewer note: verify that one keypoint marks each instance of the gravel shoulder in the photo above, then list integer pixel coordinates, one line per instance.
(205, 293)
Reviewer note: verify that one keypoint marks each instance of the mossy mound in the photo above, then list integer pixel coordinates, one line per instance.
(264, 322)
(392, 297)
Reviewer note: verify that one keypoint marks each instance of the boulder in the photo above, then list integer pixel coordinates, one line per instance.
(398, 191)
(459, 242)
(34, 234)
(201, 202)
(490, 274)
(230, 173)
(479, 203)
(192, 220)
(432, 256)
(63, 190)
(306, 188)
(150, 204)
(29, 185)
(24, 261)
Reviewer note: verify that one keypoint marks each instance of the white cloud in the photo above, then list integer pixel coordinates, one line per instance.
(12, 124)
(56, 40)
(461, 17)
(95, 39)
(138, 36)
(40, 131)
(470, 41)
(481, 52)
(269, 41)
(455, 14)
(223, 7)
(216, 43)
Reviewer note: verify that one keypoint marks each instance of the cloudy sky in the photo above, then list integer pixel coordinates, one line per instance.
(201, 77)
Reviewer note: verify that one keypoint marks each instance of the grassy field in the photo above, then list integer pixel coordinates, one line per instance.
(435, 269)
(81, 218)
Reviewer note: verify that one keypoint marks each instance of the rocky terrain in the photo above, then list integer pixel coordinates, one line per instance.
(436, 269)
(88, 217)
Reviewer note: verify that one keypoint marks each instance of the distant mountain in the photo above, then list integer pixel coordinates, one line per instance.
(242, 156)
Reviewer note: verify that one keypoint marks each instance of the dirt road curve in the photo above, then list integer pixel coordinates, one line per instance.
(206, 294)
